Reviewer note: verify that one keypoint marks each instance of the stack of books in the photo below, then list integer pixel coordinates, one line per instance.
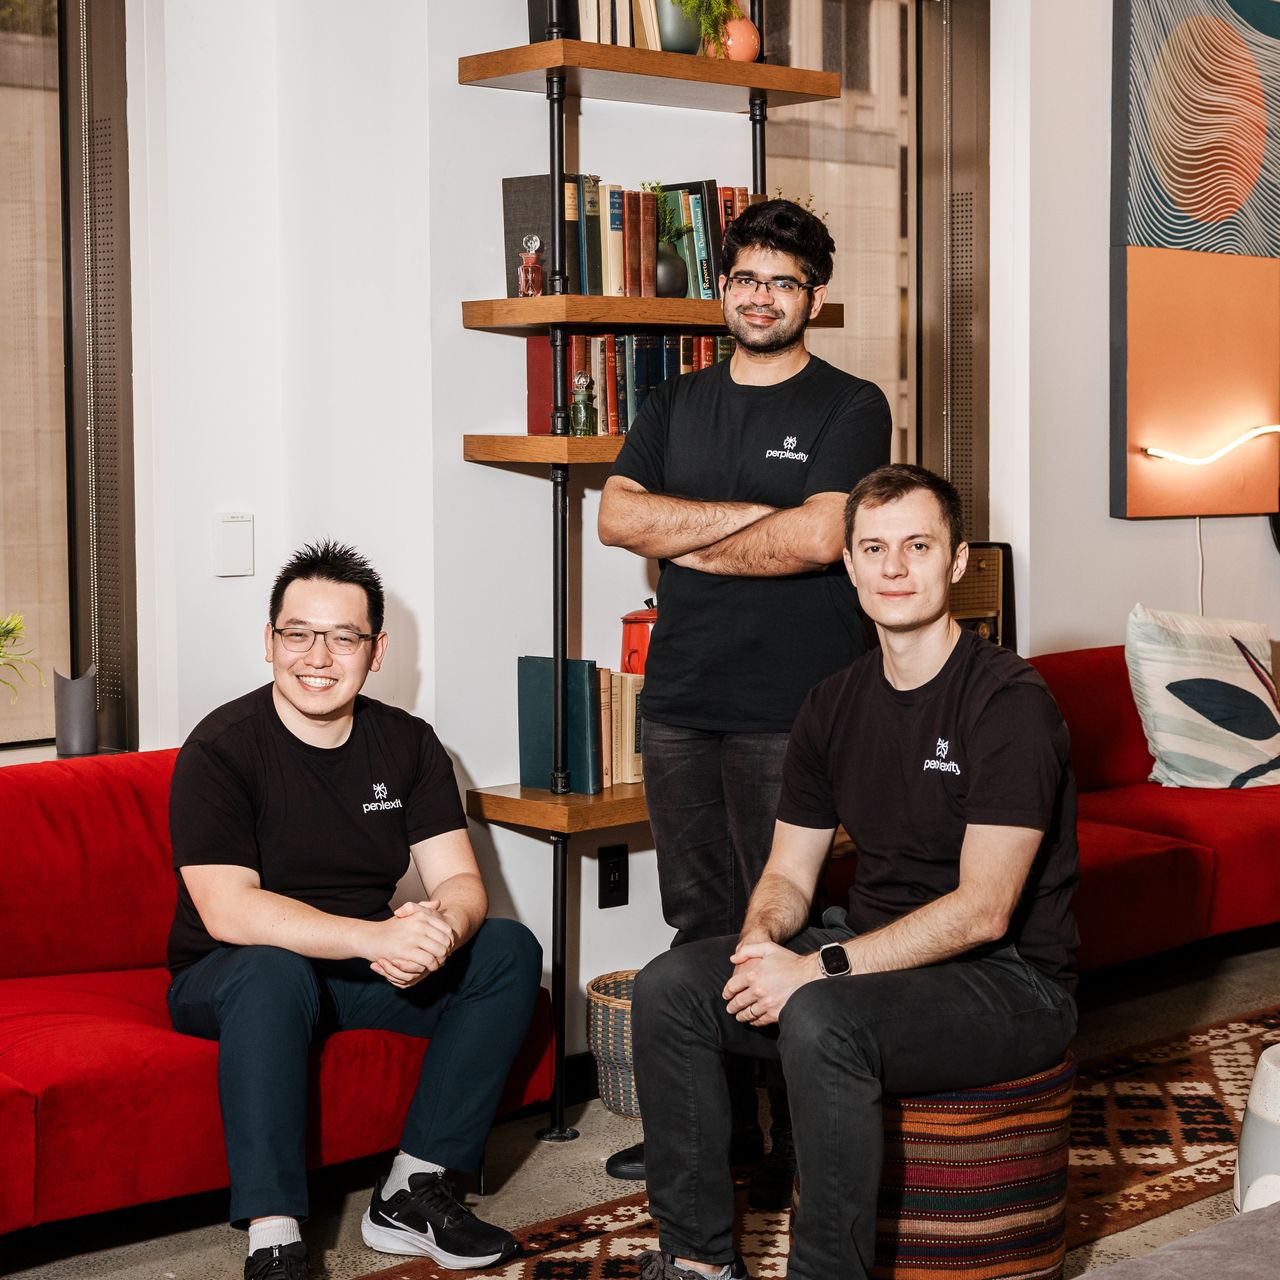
(611, 234)
(623, 368)
(605, 729)
(632, 23)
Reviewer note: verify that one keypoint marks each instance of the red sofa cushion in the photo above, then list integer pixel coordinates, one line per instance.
(1242, 828)
(89, 881)
(1139, 893)
(109, 1075)
(1091, 688)
(17, 1155)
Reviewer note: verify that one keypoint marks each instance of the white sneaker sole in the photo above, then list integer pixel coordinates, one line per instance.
(415, 1244)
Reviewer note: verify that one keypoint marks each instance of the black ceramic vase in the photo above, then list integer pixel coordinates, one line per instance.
(673, 275)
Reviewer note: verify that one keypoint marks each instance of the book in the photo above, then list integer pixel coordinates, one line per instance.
(629, 767)
(620, 382)
(706, 350)
(606, 21)
(689, 252)
(605, 676)
(700, 247)
(622, 22)
(670, 356)
(537, 360)
(589, 234)
(709, 195)
(645, 24)
(597, 384)
(611, 240)
(648, 366)
(726, 208)
(631, 243)
(684, 245)
(615, 724)
(724, 346)
(609, 394)
(578, 362)
(526, 210)
(589, 19)
(534, 693)
(687, 344)
(740, 203)
(648, 245)
(629, 362)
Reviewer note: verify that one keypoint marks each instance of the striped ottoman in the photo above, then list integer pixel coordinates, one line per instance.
(974, 1184)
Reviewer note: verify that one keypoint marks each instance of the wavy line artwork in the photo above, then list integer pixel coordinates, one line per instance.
(1204, 129)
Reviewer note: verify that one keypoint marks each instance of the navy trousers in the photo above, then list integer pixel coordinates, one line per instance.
(265, 1006)
(843, 1042)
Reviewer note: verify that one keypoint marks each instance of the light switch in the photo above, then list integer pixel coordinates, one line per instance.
(233, 544)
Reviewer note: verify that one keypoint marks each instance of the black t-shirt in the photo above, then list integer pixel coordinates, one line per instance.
(981, 743)
(330, 827)
(738, 654)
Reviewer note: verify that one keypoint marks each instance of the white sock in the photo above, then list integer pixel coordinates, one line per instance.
(402, 1167)
(270, 1231)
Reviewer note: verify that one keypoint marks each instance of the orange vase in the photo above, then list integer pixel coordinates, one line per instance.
(739, 42)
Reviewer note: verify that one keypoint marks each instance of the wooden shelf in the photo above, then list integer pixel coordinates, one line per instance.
(517, 806)
(511, 448)
(524, 316)
(614, 74)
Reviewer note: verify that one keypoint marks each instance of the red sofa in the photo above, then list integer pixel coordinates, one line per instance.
(1159, 866)
(92, 1077)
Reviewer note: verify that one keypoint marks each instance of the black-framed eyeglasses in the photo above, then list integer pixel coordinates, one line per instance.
(341, 643)
(743, 283)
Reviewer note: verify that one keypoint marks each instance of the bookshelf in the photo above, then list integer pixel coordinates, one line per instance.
(555, 69)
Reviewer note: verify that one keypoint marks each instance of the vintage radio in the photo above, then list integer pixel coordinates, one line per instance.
(983, 599)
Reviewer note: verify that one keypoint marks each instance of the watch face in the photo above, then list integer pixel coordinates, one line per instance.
(834, 960)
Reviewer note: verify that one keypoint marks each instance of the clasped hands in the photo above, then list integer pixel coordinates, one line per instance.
(416, 941)
(765, 976)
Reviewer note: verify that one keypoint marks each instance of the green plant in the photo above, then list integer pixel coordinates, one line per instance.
(711, 16)
(670, 228)
(806, 204)
(13, 658)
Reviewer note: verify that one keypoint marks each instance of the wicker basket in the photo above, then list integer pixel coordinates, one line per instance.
(609, 1037)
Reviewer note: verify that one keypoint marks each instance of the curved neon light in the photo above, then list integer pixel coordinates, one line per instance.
(1243, 438)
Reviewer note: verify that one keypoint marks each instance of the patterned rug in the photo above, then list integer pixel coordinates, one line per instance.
(1152, 1129)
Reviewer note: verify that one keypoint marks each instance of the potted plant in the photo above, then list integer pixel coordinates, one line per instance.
(673, 275)
(13, 658)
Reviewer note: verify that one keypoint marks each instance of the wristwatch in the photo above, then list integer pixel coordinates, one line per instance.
(833, 960)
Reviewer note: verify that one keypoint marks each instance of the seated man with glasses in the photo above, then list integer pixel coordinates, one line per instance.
(295, 811)
(734, 478)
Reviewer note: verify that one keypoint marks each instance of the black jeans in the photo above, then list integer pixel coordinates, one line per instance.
(264, 1005)
(842, 1042)
(712, 798)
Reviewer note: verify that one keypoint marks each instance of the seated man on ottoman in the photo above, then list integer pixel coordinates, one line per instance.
(294, 813)
(946, 760)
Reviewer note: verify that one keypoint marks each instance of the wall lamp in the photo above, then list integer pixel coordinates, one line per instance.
(1243, 438)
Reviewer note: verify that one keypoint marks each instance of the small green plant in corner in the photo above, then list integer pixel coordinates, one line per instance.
(711, 16)
(13, 658)
(670, 228)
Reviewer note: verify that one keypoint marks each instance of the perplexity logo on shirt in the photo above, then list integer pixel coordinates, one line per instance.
(380, 800)
(787, 451)
(940, 761)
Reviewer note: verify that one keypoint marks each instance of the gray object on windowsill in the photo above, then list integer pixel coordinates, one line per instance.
(75, 713)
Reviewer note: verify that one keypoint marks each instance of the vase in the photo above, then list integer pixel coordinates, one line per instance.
(673, 275)
(739, 41)
(75, 713)
(677, 33)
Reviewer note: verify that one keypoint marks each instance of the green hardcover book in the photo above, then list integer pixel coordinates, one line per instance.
(589, 231)
(534, 697)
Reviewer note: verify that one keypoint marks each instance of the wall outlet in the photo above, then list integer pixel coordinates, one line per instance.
(611, 867)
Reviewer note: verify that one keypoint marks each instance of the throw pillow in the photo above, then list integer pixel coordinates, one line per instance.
(1208, 703)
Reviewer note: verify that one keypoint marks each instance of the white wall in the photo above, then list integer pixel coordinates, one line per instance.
(1080, 570)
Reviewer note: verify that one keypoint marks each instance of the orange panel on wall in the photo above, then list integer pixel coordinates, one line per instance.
(1203, 365)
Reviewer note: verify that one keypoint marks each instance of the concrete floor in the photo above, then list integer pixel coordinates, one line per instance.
(188, 1239)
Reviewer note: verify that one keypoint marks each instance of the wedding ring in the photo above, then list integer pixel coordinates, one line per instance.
(751, 1012)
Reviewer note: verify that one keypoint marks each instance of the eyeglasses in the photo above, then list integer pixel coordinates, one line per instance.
(779, 284)
(340, 643)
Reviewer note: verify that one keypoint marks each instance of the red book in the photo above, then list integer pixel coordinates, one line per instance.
(609, 392)
(706, 350)
(538, 375)
(631, 244)
(648, 245)
(740, 200)
(727, 205)
(579, 361)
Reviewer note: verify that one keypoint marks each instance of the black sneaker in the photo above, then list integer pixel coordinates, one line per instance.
(662, 1266)
(278, 1262)
(427, 1220)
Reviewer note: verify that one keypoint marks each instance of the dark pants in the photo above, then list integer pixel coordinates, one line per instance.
(842, 1043)
(265, 1005)
(712, 798)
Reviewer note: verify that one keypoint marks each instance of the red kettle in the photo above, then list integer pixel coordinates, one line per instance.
(636, 626)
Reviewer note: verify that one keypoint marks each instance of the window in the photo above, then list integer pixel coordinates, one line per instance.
(33, 430)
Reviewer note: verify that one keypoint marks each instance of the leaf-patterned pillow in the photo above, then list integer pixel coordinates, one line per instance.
(1207, 699)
